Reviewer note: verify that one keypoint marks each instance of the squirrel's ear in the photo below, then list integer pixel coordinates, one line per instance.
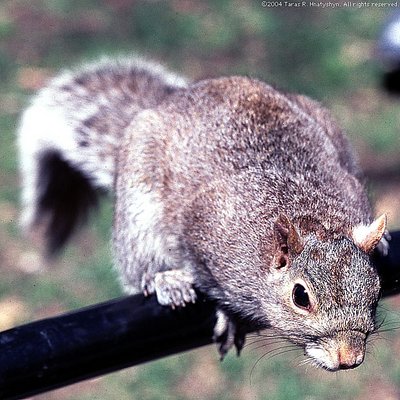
(287, 240)
(367, 237)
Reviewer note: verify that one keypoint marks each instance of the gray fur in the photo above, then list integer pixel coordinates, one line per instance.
(204, 172)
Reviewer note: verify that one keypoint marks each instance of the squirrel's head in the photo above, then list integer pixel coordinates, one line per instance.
(328, 292)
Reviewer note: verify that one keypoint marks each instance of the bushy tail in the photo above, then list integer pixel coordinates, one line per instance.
(69, 137)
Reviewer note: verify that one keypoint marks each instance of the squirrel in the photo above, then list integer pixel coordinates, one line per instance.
(248, 194)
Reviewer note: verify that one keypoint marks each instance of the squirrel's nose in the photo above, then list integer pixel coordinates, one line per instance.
(350, 358)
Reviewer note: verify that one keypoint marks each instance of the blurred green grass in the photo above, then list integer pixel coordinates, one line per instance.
(328, 55)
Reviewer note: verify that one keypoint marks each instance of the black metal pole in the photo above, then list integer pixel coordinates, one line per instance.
(389, 266)
(55, 352)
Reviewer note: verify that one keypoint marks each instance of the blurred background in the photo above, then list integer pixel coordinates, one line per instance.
(327, 53)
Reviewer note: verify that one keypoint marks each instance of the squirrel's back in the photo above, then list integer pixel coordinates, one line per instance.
(69, 135)
(284, 153)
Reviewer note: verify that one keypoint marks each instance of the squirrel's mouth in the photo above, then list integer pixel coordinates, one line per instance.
(346, 350)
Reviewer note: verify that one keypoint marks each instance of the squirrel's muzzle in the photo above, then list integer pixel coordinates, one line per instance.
(343, 350)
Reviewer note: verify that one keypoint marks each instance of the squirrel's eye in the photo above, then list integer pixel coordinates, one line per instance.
(300, 297)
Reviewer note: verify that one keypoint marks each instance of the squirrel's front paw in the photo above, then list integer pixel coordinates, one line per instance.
(173, 288)
(228, 333)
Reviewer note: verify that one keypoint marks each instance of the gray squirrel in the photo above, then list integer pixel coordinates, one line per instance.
(227, 185)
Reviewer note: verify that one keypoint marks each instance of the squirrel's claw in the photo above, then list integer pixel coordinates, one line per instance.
(228, 333)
